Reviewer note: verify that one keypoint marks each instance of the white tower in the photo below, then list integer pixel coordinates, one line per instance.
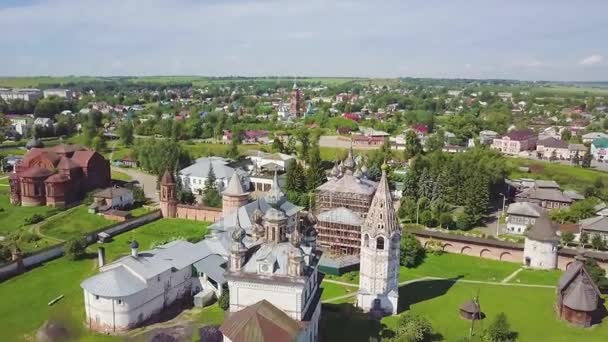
(540, 246)
(380, 240)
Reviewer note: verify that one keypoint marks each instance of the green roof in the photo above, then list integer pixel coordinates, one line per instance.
(600, 143)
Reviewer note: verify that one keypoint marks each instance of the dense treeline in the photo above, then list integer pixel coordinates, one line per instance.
(437, 183)
(157, 155)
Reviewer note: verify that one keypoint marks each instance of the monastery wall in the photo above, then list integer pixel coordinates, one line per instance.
(198, 213)
(497, 249)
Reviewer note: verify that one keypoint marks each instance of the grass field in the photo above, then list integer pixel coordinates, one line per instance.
(73, 222)
(34, 289)
(117, 175)
(450, 265)
(568, 177)
(13, 217)
(331, 290)
(527, 276)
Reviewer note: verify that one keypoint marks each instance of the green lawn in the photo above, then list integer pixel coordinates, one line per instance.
(331, 290)
(568, 177)
(117, 175)
(73, 222)
(12, 217)
(529, 310)
(528, 276)
(23, 299)
(449, 265)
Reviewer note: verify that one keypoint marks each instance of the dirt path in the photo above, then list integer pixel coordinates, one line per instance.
(146, 180)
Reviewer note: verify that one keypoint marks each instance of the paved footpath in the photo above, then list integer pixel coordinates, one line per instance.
(511, 276)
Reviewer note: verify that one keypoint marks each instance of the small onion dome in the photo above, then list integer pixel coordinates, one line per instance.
(258, 215)
(134, 244)
(273, 214)
(363, 168)
(238, 234)
(34, 143)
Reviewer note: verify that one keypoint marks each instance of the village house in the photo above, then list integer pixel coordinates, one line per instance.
(111, 198)
(521, 215)
(597, 225)
(545, 194)
(516, 141)
(194, 176)
(590, 137)
(599, 149)
(265, 160)
(553, 148)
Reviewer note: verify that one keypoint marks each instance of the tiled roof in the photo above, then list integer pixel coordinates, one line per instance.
(520, 134)
(260, 322)
(553, 143)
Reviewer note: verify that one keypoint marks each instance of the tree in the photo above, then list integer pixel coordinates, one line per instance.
(412, 145)
(566, 135)
(211, 195)
(597, 242)
(586, 163)
(295, 178)
(75, 248)
(412, 252)
(553, 156)
(125, 132)
(412, 328)
(584, 239)
(224, 300)
(99, 143)
(445, 220)
(233, 151)
(597, 273)
(426, 219)
(89, 128)
(303, 137)
(499, 330)
(576, 160)
(157, 155)
(567, 238)
(138, 195)
(315, 175)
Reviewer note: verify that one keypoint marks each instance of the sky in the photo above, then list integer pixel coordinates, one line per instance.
(514, 39)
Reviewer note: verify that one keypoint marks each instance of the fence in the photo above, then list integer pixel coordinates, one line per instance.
(11, 269)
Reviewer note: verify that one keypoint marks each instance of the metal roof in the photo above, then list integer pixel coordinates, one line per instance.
(201, 166)
(597, 223)
(524, 209)
(116, 282)
(212, 267)
(340, 215)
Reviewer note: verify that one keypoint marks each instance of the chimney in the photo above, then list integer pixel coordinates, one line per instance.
(134, 249)
(101, 254)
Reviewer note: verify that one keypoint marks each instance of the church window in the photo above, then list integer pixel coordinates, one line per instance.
(366, 240)
(96, 297)
(381, 216)
(380, 243)
(120, 302)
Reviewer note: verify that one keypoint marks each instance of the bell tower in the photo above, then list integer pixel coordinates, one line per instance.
(168, 196)
(380, 242)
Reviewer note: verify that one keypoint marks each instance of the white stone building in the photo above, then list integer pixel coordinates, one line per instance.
(521, 215)
(25, 94)
(64, 93)
(264, 160)
(112, 198)
(380, 242)
(541, 243)
(195, 175)
(279, 279)
(136, 288)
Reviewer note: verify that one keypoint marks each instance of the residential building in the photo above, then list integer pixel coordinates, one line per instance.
(194, 176)
(597, 225)
(547, 198)
(380, 245)
(64, 93)
(521, 215)
(553, 148)
(599, 149)
(577, 149)
(516, 141)
(265, 160)
(112, 198)
(25, 94)
(43, 122)
(22, 124)
(487, 137)
(589, 137)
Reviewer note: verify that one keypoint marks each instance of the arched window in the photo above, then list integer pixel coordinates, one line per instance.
(380, 242)
(366, 240)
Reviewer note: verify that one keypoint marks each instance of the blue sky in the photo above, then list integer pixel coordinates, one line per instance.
(516, 39)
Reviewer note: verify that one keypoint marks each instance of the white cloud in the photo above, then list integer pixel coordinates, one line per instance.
(592, 60)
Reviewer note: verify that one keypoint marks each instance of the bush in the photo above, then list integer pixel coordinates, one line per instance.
(75, 248)
(413, 328)
(445, 220)
(28, 237)
(412, 252)
(499, 330)
(224, 300)
(34, 219)
(138, 195)
(5, 253)
(435, 247)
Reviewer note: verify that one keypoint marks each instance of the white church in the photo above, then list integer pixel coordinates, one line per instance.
(265, 253)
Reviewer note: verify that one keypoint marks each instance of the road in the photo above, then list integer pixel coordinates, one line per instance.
(146, 180)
